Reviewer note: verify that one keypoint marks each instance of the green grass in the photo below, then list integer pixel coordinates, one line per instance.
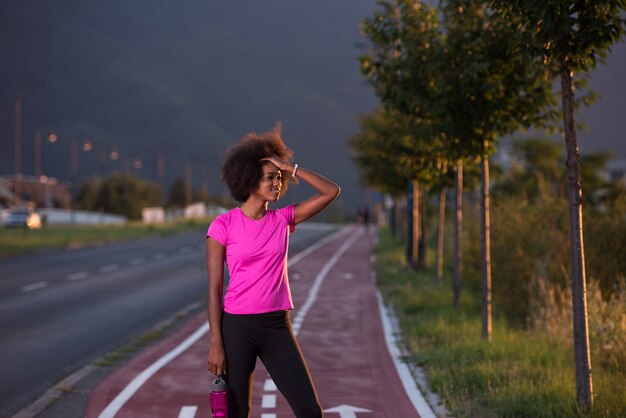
(521, 373)
(22, 241)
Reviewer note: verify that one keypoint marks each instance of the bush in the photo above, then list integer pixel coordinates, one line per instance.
(530, 250)
(552, 313)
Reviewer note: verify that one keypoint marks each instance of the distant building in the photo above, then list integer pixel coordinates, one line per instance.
(42, 192)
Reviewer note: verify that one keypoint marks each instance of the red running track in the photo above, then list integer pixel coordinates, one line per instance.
(341, 330)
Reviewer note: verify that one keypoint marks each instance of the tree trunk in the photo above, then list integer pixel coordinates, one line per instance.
(423, 232)
(440, 226)
(399, 218)
(485, 249)
(458, 253)
(584, 388)
(409, 226)
(393, 219)
(413, 224)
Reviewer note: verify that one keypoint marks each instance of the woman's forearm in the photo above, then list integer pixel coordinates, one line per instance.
(215, 272)
(214, 311)
(318, 182)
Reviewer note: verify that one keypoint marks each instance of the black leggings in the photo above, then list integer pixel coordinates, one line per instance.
(268, 336)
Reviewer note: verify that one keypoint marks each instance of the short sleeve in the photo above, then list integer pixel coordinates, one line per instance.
(218, 231)
(289, 213)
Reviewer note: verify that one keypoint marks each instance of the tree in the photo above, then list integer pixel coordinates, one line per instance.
(468, 82)
(87, 198)
(390, 156)
(569, 37)
(402, 66)
(503, 93)
(178, 194)
(119, 193)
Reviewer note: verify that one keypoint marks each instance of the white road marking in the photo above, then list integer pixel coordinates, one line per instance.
(348, 276)
(316, 246)
(109, 268)
(137, 261)
(295, 276)
(317, 283)
(123, 397)
(188, 412)
(120, 400)
(77, 276)
(268, 401)
(34, 286)
(408, 381)
(158, 256)
(269, 386)
(347, 411)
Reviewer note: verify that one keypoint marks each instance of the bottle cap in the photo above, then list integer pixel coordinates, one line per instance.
(218, 385)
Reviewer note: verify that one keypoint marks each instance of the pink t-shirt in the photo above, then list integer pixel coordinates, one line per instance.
(256, 255)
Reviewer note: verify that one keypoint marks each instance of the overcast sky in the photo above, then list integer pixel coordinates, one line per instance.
(187, 78)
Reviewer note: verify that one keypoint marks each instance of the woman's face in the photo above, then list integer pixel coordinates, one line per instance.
(270, 183)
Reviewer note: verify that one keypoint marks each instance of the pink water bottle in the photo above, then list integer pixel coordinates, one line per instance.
(219, 398)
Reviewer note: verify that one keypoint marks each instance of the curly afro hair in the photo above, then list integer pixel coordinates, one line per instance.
(243, 169)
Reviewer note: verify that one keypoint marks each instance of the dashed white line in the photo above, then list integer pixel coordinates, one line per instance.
(268, 415)
(77, 276)
(34, 286)
(269, 386)
(137, 261)
(268, 401)
(188, 412)
(348, 276)
(109, 268)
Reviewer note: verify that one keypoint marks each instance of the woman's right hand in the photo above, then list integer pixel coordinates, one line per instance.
(217, 360)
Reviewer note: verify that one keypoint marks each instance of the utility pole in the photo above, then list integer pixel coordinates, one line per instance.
(188, 186)
(17, 136)
(38, 165)
(161, 176)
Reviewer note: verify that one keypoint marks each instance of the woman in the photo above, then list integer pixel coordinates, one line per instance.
(253, 318)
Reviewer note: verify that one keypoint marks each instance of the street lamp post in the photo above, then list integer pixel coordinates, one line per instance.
(161, 176)
(37, 165)
(17, 137)
(86, 147)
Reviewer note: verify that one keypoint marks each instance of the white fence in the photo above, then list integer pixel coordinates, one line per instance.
(73, 217)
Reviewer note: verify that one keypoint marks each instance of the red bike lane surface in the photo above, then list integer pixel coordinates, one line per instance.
(338, 324)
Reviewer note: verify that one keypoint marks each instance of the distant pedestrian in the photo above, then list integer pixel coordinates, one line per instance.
(253, 318)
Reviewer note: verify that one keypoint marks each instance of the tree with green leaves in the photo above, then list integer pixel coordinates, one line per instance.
(390, 155)
(570, 37)
(503, 93)
(468, 81)
(402, 65)
(122, 194)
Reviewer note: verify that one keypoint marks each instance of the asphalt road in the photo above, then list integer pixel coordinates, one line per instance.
(61, 310)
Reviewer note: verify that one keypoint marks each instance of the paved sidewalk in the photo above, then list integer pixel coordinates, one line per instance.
(340, 329)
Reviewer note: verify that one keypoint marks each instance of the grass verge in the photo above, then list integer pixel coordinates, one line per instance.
(136, 344)
(521, 373)
(23, 241)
